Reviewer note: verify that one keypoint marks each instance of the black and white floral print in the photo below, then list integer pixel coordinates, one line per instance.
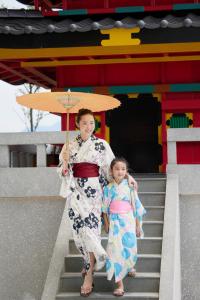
(79, 140)
(73, 156)
(78, 223)
(82, 181)
(72, 189)
(99, 147)
(81, 250)
(91, 221)
(94, 138)
(103, 181)
(86, 266)
(71, 214)
(90, 192)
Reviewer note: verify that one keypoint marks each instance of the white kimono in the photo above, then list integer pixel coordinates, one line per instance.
(84, 196)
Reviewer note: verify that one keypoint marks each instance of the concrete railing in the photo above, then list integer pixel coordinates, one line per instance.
(29, 181)
(189, 174)
(170, 281)
(25, 144)
(180, 135)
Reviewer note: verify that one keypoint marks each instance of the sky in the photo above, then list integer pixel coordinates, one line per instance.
(11, 114)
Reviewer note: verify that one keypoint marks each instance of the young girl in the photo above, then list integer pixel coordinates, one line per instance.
(122, 213)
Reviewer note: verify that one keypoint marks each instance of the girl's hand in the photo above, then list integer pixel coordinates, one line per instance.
(138, 231)
(106, 227)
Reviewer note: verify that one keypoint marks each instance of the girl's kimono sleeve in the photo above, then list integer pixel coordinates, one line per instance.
(107, 157)
(106, 200)
(66, 180)
(140, 211)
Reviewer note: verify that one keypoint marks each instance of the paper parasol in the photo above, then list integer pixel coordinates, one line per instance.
(68, 102)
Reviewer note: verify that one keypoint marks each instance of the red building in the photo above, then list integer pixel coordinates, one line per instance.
(144, 52)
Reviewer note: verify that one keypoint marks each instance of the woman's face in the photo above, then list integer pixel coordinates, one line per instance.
(86, 126)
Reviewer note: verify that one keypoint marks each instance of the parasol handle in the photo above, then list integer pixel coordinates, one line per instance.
(67, 129)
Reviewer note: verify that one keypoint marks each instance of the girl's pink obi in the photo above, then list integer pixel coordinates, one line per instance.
(119, 206)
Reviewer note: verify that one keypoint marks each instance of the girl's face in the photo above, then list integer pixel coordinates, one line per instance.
(119, 171)
(86, 126)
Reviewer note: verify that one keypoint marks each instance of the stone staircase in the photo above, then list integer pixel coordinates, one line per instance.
(145, 286)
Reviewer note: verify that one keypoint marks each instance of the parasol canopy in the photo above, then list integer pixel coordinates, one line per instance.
(68, 102)
(60, 102)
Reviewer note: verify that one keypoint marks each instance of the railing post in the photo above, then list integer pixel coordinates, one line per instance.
(171, 149)
(4, 156)
(41, 156)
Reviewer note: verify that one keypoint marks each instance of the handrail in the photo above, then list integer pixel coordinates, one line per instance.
(61, 249)
(170, 280)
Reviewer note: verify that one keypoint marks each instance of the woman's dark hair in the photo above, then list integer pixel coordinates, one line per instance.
(119, 159)
(82, 112)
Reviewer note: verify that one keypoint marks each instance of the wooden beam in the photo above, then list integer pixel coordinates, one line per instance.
(42, 76)
(125, 60)
(99, 51)
(29, 79)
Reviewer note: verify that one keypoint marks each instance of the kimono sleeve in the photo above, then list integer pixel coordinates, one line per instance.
(66, 180)
(106, 200)
(60, 165)
(107, 157)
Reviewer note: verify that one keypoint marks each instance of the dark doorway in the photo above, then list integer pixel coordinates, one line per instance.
(134, 132)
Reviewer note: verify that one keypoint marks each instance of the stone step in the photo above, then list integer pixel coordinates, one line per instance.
(109, 296)
(143, 282)
(147, 245)
(151, 184)
(152, 199)
(148, 175)
(151, 228)
(145, 263)
(154, 213)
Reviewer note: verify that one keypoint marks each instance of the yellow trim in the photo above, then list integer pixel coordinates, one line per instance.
(120, 36)
(160, 134)
(107, 134)
(160, 168)
(167, 117)
(57, 63)
(190, 116)
(6, 53)
(158, 96)
(98, 119)
(133, 96)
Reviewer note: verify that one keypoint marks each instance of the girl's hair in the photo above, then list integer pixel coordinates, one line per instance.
(82, 112)
(119, 159)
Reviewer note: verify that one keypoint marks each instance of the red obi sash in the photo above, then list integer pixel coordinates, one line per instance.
(85, 170)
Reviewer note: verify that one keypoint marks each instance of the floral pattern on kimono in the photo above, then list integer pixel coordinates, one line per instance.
(84, 196)
(122, 241)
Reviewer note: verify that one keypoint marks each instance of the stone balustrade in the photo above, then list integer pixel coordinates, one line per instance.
(28, 149)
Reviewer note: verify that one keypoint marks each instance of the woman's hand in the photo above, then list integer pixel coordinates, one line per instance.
(65, 159)
(65, 154)
(132, 182)
(65, 168)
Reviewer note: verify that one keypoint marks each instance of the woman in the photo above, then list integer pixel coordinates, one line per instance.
(84, 169)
